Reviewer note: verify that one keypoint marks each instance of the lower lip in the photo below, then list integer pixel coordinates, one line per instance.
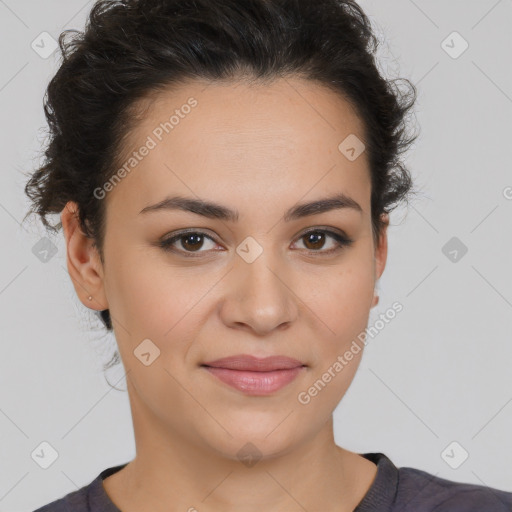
(256, 383)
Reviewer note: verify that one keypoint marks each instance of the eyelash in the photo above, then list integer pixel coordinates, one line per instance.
(166, 244)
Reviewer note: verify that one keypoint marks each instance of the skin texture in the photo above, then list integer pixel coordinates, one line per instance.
(259, 149)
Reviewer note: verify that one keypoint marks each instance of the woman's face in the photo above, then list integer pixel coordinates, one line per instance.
(257, 284)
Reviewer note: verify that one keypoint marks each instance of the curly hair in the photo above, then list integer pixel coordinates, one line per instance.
(131, 50)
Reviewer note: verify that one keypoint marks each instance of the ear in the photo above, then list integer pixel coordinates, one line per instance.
(381, 254)
(83, 261)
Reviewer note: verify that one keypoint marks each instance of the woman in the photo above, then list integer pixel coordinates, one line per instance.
(224, 172)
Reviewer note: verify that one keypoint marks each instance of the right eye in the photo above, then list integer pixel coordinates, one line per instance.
(190, 241)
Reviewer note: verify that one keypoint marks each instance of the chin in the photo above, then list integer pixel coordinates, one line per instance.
(251, 450)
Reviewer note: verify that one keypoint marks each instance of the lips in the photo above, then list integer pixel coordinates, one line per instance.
(249, 363)
(255, 376)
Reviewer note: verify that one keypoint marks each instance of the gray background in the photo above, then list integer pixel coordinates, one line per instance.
(439, 372)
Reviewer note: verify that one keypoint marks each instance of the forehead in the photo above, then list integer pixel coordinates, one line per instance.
(203, 136)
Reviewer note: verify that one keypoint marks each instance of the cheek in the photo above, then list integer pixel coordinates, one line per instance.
(343, 307)
(349, 303)
(341, 297)
(150, 297)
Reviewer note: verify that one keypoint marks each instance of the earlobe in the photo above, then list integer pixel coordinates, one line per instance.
(83, 262)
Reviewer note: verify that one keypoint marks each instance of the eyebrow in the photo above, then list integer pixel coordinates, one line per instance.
(217, 211)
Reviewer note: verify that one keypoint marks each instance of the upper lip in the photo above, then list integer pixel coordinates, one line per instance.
(255, 364)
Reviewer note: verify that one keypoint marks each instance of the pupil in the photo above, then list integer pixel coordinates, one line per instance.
(318, 236)
(196, 245)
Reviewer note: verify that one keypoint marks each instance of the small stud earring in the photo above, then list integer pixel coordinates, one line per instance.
(90, 298)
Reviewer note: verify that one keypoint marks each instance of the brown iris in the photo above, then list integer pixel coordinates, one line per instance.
(196, 244)
(318, 240)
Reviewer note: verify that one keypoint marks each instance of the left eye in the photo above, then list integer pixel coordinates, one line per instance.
(192, 241)
(318, 236)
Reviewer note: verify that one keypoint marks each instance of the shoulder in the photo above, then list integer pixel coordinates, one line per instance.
(75, 501)
(89, 498)
(424, 492)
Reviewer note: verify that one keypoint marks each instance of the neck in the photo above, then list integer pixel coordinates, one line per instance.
(172, 472)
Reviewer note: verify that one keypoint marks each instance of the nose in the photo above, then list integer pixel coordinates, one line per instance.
(257, 297)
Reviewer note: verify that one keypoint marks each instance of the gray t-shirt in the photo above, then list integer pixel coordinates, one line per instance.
(393, 490)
